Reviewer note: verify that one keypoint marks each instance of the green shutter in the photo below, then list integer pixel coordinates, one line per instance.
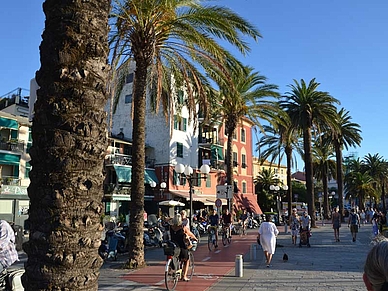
(208, 182)
(175, 122)
(184, 124)
(14, 134)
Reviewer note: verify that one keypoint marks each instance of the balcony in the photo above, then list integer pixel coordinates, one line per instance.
(12, 145)
(118, 159)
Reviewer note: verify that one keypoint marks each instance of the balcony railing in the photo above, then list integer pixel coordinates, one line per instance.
(12, 146)
(126, 160)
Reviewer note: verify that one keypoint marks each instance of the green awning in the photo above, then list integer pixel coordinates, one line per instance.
(124, 175)
(8, 123)
(217, 152)
(8, 159)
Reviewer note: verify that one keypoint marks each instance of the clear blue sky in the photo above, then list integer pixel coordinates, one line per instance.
(343, 44)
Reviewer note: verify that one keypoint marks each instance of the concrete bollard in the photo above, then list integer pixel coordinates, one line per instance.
(239, 266)
(285, 228)
(253, 252)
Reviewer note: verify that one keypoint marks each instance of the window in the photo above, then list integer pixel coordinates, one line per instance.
(179, 150)
(208, 182)
(180, 123)
(235, 164)
(28, 169)
(128, 99)
(235, 135)
(129, 78)
(242, 135)
(244, 187)
(243, 161)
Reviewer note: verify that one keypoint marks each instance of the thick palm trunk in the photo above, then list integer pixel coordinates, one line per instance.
(309, 173)
(69, 142)
(229, 167)
(340, 176)
(288, 151)
(326, 207)
(136, 245)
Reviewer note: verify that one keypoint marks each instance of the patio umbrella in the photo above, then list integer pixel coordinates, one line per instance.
(171, 203)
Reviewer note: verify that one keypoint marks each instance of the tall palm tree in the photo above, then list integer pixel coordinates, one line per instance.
(280, 139)
(172, 42)
(69, 134)
(324, 168)
(348, 134)
(245, 98)
(377, 167)
(308, 109)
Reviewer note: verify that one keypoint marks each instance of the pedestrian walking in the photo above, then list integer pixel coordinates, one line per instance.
(267, 235)
(8, 253)
(336, 221)
(376, 267)
(295, 225)
(354, 223)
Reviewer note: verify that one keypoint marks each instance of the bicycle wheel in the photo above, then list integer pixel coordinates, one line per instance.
(224, 238)
(170, 276)
(190, 272)
(210, 243)
(229, 238)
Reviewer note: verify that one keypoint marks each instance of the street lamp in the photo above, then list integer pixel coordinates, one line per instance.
(275, 189)
(163, 186)
(188, 172)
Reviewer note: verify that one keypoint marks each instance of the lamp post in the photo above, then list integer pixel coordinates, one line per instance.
(163, 186)
(188, 172)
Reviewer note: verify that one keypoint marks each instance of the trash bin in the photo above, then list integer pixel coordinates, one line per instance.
(19, 237)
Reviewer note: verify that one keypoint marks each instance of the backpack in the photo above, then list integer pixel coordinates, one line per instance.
(354, 220)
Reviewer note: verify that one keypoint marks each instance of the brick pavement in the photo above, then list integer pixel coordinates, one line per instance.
(327, 265)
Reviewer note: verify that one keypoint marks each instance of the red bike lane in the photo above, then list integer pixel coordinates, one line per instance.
(210, 267)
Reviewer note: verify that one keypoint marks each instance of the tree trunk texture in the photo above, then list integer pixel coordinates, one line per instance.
(309, 173)
(229, 162)
(326, 206)
(69, 142)
(288, 151)
(340, 183)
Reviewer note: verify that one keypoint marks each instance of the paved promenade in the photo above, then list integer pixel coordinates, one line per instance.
(327, 265)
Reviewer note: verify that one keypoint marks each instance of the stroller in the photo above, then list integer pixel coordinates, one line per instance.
(304, 237)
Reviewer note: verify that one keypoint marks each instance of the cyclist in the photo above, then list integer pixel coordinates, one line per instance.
(244, 220)
(179, 233)
(214, 221)
(8, 253)
(227, 221)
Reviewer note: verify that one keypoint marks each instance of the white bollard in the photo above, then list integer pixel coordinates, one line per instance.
(239, 266)
(253, 252)
(285, 228)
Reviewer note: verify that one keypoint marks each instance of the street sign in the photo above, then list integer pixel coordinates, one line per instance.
(224, 191)
(218, 203)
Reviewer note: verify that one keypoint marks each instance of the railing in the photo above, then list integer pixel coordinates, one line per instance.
(10, 180)
(121, 159)
(12, 146)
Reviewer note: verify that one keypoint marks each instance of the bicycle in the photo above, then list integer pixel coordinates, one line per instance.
(173, 270)
(211, 241)
(226, 235)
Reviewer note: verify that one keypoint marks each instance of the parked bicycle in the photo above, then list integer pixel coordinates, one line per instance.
(173, 271)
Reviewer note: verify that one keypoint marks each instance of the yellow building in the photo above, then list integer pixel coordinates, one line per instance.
(280, 171)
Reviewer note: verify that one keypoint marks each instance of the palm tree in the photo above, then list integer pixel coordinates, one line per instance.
(308, 109)
(262, 183)
(377, 168)
(245, 98)
(360, 185)
(70, 139)
(324, 167)
(172, 42)
(348, 134)
(280, 139)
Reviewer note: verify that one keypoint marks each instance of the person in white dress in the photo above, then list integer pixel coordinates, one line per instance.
(267, 235)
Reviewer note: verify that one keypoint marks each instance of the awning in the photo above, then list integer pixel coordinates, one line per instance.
(247, 201)
(8, 123)
(206, 199)
(9, 159)
(124, 174)
(217, 152)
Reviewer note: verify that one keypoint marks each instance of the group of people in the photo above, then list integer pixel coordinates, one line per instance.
(299, 224)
